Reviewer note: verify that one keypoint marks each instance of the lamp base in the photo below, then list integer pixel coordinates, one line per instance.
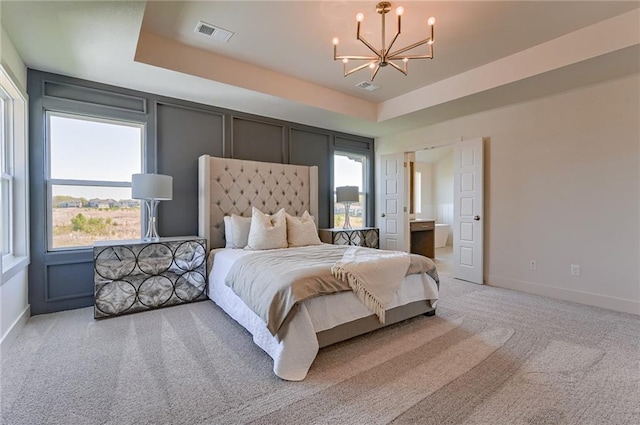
(347, 207)
(151, 235)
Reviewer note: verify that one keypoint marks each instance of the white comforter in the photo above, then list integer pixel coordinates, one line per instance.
(294, 354)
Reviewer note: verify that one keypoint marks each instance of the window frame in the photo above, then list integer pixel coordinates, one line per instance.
(6, 173)
(15, 170)
(51, 182)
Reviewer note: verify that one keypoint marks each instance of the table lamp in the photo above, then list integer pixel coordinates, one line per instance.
(151, 188)
(346, 195)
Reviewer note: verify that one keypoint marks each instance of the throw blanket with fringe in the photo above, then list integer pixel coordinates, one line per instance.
(373, 275)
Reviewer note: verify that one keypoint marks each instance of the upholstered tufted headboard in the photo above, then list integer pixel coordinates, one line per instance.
(233, 186)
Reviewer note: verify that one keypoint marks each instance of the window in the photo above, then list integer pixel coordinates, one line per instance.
(91, 161)
(14, 171)
(350, 170)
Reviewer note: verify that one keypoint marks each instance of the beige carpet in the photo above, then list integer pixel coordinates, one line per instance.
(489, 356)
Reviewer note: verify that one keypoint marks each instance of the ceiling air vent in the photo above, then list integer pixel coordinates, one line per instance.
(212, 31)
(365, 85)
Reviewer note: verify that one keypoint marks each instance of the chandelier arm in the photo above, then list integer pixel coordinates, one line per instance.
(409, 47)
(395, 37)
(358, 68)
(366, 43)
(395, 58)
(356, 58)
(403, 70)
(375, 71)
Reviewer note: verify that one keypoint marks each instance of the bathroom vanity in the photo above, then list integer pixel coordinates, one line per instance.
(423, 237)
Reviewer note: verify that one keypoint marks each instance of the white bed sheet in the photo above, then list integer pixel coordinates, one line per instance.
(294, 354)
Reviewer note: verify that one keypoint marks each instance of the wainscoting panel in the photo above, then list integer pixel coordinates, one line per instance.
(184, 133)
(314, 148)
(257, 140)
(69, 281)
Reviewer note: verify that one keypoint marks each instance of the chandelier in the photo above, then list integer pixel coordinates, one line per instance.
(384, 56)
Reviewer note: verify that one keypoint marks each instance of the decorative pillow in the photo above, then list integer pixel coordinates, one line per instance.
(236, 231)
(267, 231)
(301, 231)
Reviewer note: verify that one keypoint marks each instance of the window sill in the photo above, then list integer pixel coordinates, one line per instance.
(11, 265)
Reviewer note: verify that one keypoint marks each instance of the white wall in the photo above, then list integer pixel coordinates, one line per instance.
(443, 192)
(14, 303)
(561, 187)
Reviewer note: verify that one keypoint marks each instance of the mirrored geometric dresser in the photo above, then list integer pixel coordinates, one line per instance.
(362, 236)
(132, 276)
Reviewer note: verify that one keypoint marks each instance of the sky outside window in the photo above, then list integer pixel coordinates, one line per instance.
(93, 150)
(347, 172)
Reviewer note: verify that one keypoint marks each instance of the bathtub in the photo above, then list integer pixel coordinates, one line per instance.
(442, 234)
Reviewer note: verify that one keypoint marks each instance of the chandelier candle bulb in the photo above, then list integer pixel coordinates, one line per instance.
(385, 56)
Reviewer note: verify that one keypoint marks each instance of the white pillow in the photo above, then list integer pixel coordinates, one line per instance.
(267, 231)
(228, 233)
(301, 231)
(236, 231)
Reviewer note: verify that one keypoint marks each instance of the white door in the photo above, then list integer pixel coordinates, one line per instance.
(391, 219)
(468, 211)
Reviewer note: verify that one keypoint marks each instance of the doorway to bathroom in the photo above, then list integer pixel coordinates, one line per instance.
(432, 198)
(454, 199)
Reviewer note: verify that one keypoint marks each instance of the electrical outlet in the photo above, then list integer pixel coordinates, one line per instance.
(575, 270)
(533, 265)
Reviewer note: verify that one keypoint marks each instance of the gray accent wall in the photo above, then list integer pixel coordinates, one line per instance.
(177, 132)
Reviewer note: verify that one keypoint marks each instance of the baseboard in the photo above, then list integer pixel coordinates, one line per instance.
(14, 330)
(597, 300)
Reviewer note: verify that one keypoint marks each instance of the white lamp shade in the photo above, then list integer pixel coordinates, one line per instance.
(347, 194)
(152, 186)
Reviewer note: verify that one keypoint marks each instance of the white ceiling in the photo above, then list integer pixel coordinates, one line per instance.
(279, 62)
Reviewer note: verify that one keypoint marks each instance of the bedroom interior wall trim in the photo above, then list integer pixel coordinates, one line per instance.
(177, 132)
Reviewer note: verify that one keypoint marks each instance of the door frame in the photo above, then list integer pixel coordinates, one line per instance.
(414, 148)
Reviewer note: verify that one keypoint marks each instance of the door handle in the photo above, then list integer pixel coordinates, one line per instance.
(476, 217)
(383, 215)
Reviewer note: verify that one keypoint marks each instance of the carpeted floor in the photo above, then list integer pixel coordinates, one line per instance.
(489, 356)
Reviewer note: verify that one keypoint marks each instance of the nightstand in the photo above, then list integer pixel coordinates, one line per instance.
(136, 275)
(362, 236)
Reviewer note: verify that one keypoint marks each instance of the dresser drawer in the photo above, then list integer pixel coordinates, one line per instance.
(418, 226)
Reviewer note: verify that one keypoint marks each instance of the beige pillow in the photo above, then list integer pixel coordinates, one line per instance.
(301, 231)
(267, 231)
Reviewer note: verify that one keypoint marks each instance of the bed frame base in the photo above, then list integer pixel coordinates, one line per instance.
(371, 323)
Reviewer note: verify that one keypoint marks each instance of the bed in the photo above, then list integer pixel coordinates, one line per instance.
(231, 186)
